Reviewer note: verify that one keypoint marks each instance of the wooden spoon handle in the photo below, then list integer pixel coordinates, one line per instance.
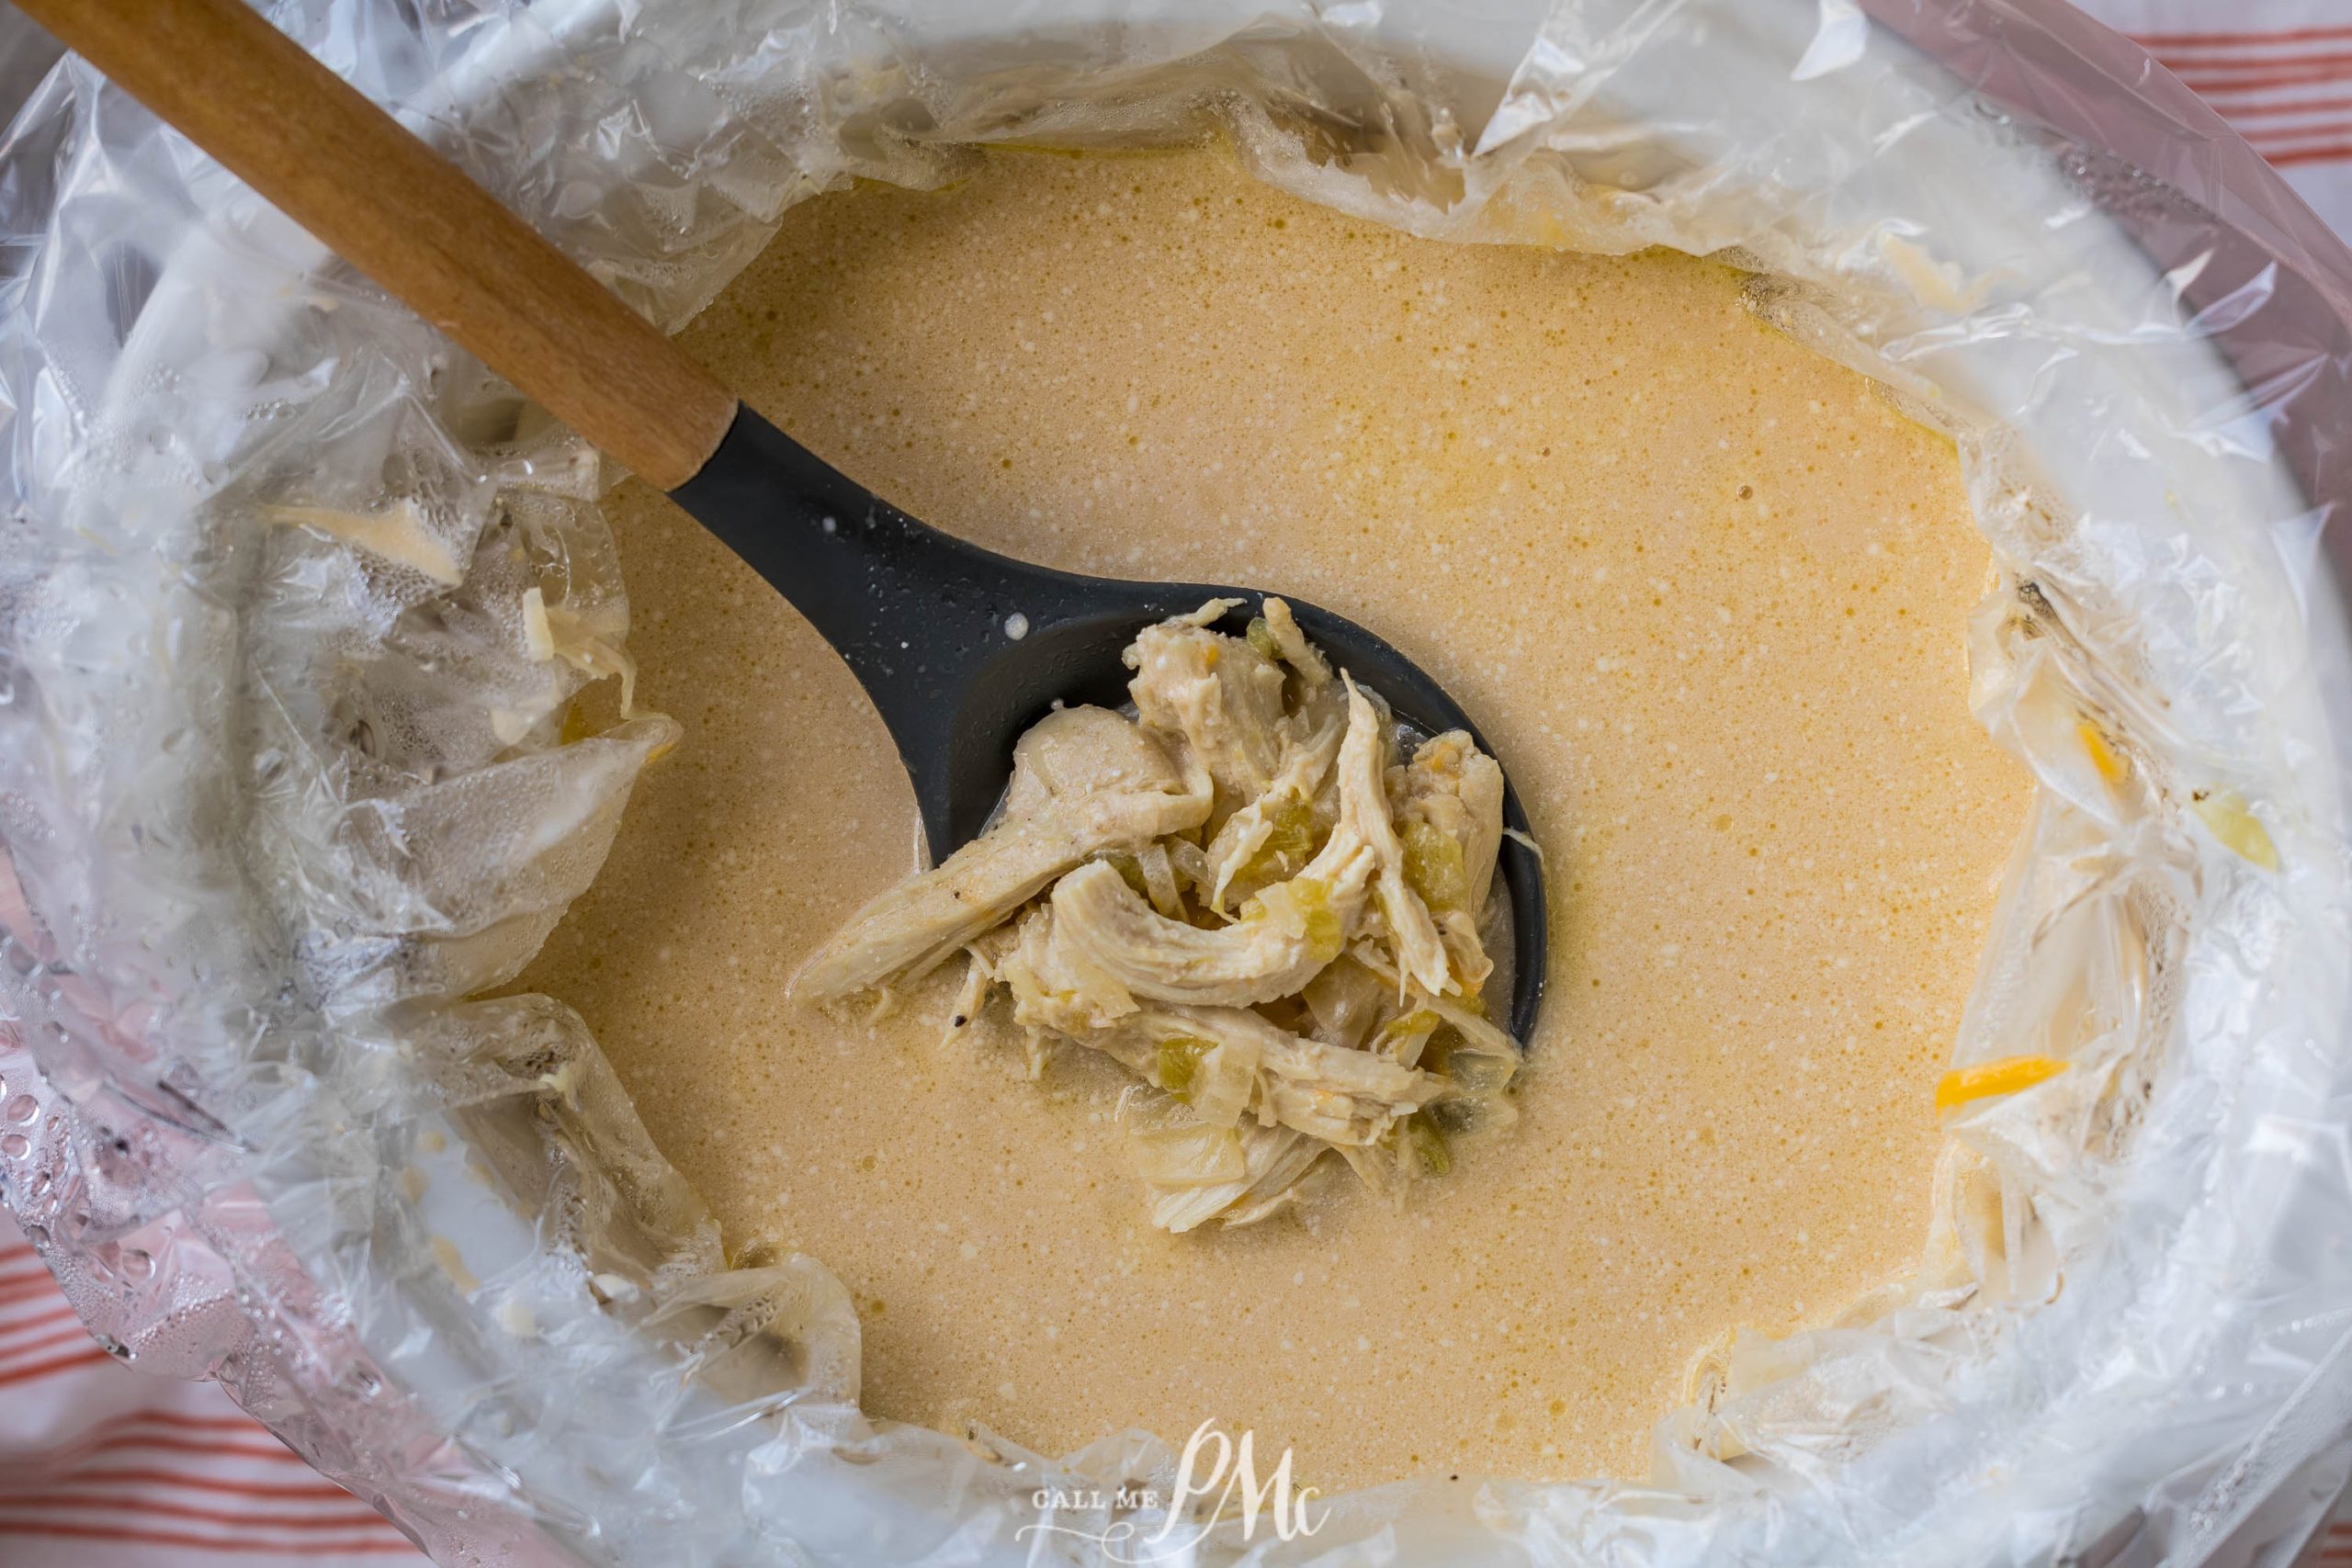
(406, 216)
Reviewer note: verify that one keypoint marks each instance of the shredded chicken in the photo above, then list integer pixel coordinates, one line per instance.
(1448, 806)
(1241, 896)
(1214, 697)
(1084, 780)
(1264, 956)
(1282, 629)
(1271, 837)
(1272, 1161)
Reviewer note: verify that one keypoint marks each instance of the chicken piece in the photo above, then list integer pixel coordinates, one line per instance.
(1156, 868)
(1290, 933)
(1364, 821)
(1328, 1092)
(1214, 698)
(1277, 1190)
(1287, 934)
(1224, 697)
(1075, 752)
(1085, 781)
(1455, 792)
(980, 973)
(1058, 985)
(1313, 670)
(1345, 1097)
(1273, 836)
(973, 1019)
(1448, 807)
(1272, 1161)
(1482, 1059)
(1345, 1001)
(1291, 929)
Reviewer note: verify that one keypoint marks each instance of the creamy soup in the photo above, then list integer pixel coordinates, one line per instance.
(1704, 591)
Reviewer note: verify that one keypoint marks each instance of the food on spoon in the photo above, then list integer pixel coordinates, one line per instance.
(1246, 841)
(1085, 782)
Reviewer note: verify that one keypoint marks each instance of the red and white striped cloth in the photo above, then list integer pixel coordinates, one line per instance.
(103, 1467)
(2278, 71)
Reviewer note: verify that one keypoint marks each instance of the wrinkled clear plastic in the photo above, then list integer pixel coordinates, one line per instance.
(284, 780)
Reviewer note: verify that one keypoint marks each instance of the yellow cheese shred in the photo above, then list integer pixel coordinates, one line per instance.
(1985, 1079)
(2226, 815)
(2112, 765)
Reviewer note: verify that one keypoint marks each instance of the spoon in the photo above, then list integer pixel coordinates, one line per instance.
(960, 649)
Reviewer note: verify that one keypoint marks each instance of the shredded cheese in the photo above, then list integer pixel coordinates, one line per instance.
(1987, 1079)
(2112, 765)
(2226, 815)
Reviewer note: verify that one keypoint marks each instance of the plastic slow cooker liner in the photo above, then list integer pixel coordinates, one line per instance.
(283, 778)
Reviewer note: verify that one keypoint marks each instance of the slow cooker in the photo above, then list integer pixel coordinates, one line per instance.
(261, 858)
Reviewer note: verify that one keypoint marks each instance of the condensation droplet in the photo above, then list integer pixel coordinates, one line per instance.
(136, 1265)
(24, 1108)
(15, 1145)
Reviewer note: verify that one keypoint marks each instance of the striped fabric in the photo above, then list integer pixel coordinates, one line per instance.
(102, 1467)
(2289, 91)
(2278, 71)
